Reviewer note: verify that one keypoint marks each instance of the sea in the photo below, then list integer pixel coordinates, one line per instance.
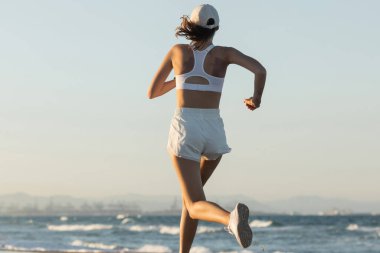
(160, 234)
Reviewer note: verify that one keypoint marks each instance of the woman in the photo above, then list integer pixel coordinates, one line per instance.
(197, 139)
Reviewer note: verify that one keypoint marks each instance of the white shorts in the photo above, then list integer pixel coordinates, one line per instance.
(196, 132)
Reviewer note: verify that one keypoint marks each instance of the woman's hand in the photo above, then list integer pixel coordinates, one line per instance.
(252, 103)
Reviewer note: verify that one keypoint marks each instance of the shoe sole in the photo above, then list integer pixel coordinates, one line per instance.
(244, 230)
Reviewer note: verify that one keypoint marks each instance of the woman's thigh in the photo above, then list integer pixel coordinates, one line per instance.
(207, 168)
(189, 176)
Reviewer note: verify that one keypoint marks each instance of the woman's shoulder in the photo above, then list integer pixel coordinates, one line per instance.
(227, 52)
(223, 52)
(224, 48)
(180, 47)
(219, 50)
(187, 47)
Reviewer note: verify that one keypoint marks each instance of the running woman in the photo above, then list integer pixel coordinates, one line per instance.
(197, 138)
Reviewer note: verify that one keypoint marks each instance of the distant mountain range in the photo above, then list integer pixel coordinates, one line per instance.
(22, 203)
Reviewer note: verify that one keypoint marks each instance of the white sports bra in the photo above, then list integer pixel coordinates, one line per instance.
(214, 83)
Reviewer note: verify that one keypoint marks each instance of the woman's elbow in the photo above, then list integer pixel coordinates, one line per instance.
(262, 71)
(150, 94)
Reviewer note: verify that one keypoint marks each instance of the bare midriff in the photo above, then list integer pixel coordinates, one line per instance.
(198, 99)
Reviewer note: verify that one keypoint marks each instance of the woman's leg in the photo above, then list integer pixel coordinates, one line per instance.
(188, 226)
(189, 175)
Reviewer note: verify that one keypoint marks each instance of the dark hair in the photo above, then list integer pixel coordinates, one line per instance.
(197, 34)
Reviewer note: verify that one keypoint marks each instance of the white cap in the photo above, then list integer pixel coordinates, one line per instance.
(205, 15)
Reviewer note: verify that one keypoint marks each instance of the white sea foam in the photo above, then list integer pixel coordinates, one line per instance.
(352, 227)
(39, 249)
(121, 216)
(154, 249)
(357, 228)
(169, 230)
(63, 218)
(95, 245)
(200, 249)
(205, 229)
(260, 223)
(79, 227)
(125, 220)
(82, 250)
(139, 228)
(30, 221)
(14, 248)
(369, 229)
(172, 230)
(242, 251)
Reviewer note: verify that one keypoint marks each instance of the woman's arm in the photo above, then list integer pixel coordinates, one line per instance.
(236, 57)
(158, 85)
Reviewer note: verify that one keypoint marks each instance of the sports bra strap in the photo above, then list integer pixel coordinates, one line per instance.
(199, 59)
(207, 49)
(214, 83)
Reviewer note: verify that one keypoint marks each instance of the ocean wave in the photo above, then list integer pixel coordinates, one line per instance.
(154, 249)
(96, 245)
(261, 223)
(169, 230)
(369, 229)
(63, 218)
(14, 248)
(79, 227)
(172, 230)
(242, 251)
(121, 216)
(125, 220)
(205, 229)
(200, 249)
(365, 229)
(39, 249)
(80, 250)
(139, 228)
(100, 248)
(352, 227)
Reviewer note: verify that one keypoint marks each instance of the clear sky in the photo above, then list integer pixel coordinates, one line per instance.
(75, 119)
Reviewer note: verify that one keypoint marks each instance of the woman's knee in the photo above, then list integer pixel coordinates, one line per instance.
(192, 208)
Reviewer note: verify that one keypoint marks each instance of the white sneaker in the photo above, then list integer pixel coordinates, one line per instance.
(239, 226)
